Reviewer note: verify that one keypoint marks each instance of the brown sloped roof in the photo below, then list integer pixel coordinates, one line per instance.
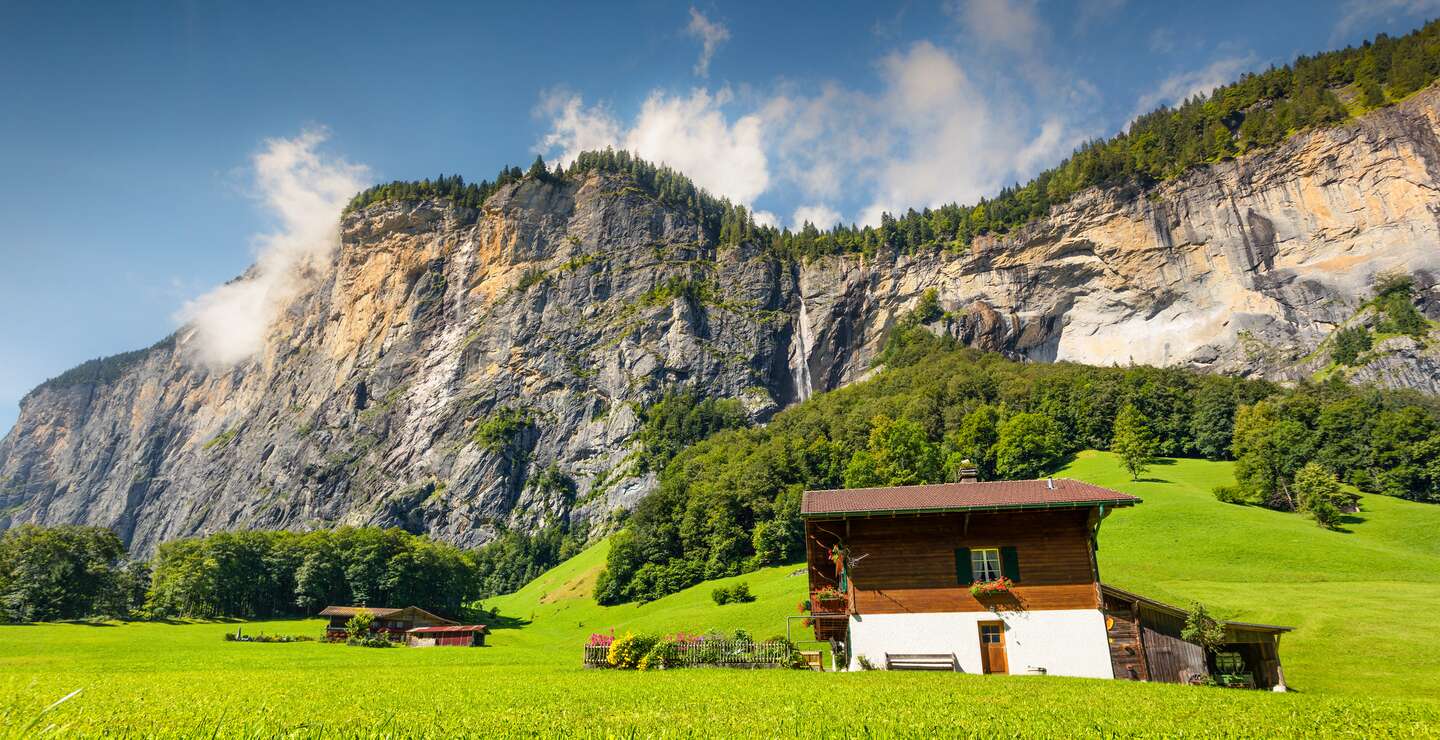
(379, 612)
(939, 497)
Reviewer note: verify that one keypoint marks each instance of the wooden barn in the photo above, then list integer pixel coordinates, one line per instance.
(450, 635)
(1145, 645)
(393, 623)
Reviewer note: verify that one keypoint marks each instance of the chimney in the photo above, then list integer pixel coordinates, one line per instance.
(966, 472)
(1050, 483)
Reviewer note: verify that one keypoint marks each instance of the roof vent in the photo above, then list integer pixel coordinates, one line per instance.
(1050, 483)
(966, 473)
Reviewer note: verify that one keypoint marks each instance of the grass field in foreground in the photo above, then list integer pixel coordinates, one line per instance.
(156, 679)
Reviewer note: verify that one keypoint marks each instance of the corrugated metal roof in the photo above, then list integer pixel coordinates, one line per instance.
(451, 628)
(991, 495)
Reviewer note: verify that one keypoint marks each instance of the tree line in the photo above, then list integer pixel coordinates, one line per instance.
(731, 502)
(76, 572)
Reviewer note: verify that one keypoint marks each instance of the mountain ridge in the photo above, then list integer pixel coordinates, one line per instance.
(448, 355)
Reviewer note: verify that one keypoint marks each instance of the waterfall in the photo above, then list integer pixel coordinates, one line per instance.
(800, 354)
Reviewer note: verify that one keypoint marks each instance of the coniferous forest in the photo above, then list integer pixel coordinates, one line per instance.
(731, 502)
(1257, 111)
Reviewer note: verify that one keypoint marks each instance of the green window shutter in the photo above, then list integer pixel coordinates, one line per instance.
(1010, 563)
(962, 566)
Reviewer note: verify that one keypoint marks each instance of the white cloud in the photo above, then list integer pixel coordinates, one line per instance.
(819, 215)
(1161, 41)
(1177, 88)
(690, 133)
(1012, 24)
(954, 142)
(711, 35)
(573, 127)
(1356, 12)
(305, 191)
(765, 218)
(934, 132)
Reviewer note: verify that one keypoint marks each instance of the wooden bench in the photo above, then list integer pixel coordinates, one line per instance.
(921, 662)
(812, 660)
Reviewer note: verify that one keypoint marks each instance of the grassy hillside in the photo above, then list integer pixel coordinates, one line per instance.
(1363, 600)
(1364, 603)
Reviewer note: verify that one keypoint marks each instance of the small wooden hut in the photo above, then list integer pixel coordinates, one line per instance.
(452, 635)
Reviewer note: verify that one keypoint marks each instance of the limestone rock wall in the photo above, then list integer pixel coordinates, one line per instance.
(573, 305)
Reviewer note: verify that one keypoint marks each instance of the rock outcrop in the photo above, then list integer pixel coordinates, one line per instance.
(454, 368)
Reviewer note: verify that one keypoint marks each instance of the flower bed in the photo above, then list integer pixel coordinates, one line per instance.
(1001, 586)
(684, 650)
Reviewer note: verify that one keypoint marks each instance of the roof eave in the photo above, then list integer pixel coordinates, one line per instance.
(970, 509)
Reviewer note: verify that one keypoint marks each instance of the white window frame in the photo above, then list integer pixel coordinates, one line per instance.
(985, 564)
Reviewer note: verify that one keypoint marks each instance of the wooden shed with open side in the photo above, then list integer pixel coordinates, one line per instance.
(1145, 645)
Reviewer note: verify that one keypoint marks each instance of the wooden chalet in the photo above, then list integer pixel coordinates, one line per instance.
(448, 635)
(393, 623)
(993, 577)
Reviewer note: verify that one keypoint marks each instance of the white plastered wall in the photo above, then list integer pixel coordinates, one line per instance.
(1069, 642)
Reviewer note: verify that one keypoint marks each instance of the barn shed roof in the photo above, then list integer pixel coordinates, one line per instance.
(1175, 611)
(449, 628)
(1054, 493)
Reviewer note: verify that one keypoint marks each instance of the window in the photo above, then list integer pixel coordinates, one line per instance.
(991, 634)
(985, 564)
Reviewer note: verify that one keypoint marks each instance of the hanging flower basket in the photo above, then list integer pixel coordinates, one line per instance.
(827, 600)
(1001, 586)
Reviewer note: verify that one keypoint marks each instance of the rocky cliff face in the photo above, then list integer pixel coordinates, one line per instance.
(454, 367)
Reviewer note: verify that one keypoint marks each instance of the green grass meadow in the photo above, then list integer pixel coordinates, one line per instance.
(1362, 660)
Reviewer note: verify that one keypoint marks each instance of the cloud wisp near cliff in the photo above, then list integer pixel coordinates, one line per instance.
(304, 190)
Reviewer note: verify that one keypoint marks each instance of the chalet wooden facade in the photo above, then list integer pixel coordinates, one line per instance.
(392, 623)
(995, 577)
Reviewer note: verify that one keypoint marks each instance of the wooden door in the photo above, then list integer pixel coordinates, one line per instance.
(992, 648)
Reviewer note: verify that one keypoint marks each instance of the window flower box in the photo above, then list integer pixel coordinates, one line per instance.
(1001, 586)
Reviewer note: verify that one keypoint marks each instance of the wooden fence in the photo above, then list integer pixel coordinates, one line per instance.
(712, 652)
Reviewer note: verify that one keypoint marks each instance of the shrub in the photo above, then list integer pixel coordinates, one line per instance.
(1202, 629)
(1318, 493)
(663, 654)
(736, 594)
(865, 663)
(628, 649)
(1230, 495)
(1350, 344)
(238, 636)
(373, 642)
(358, 627)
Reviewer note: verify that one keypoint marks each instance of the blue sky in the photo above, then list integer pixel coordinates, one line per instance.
(134, 136)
